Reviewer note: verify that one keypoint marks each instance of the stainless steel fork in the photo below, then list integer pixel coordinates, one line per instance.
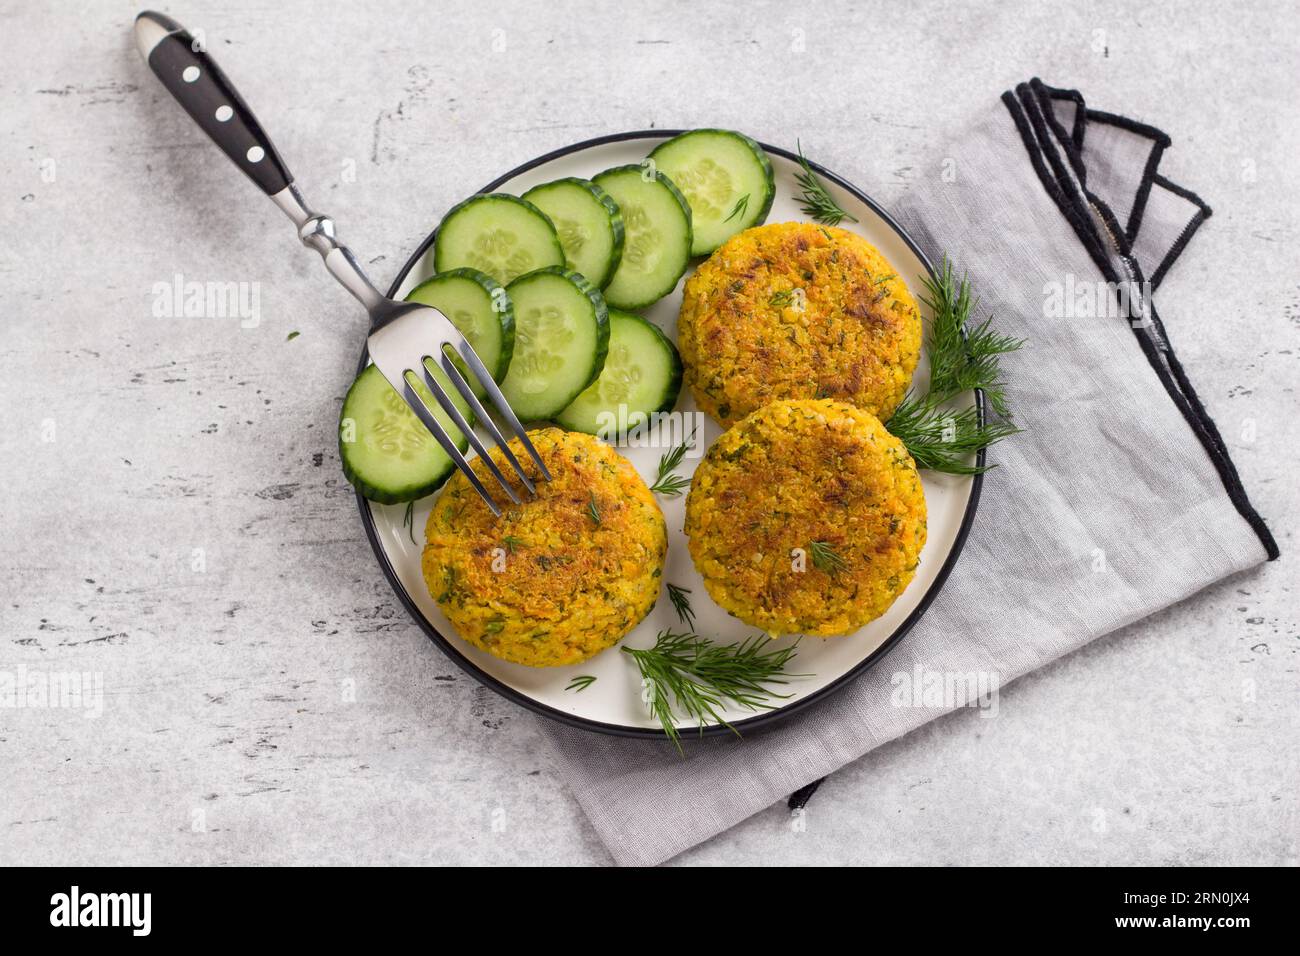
(404, 337)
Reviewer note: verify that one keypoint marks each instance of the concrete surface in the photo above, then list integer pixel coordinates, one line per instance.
(175, 521)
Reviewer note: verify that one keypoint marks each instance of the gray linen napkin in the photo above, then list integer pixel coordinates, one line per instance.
(1118, 500)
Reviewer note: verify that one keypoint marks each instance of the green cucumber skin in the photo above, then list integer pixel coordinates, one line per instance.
(638, 168)
(386, 496)
(507, 317)
(674, 386)
(602, 322)
(611, 207)
(477, 197)
(674, 390)
(380, 497)
(759, 154)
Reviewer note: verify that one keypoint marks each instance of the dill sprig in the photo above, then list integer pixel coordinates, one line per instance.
(667, 482)
(826, 558)
(682, 605)
(940, 439)
(815, 201)
(581, 683)
(408, 521)
(511, 542)
(592, 511)
(670, 486)
(696, 677)
(962, 358)
(739, 209)
(959, 363)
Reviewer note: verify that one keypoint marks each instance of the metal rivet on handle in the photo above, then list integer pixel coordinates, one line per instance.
(256, 154)
(190, 74)
(224, 113)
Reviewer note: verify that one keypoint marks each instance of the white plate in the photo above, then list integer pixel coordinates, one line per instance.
(612, 704)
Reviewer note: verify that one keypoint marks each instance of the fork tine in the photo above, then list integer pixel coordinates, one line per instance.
(422, 412)
(454, 414)
(454, 374)
(498, 400)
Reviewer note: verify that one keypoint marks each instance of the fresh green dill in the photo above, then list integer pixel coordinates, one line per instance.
(512, 542)
(667, 482)
(739, 210)
(670, 486)
(781, 298)
(682, 605)
(826, 558)
(963, 357)
(941, 439)
(592, 511)
(814, 200)
(695, 677)
(408, 521)
(581, 683)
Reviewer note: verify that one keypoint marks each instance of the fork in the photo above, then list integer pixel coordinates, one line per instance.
(403, 336)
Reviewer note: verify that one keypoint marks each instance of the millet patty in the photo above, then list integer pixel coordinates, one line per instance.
(797, 310)
(807, 517)
(559, 578)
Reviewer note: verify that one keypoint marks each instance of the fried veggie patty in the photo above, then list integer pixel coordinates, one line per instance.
(797, 310)
(559, 578)
(806, 517)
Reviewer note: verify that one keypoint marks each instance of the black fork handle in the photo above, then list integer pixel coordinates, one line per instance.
(197, 83)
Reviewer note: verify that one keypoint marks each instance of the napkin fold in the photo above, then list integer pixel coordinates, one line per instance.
(1119, 498)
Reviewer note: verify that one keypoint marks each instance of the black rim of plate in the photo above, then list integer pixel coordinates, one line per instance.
(764, 717)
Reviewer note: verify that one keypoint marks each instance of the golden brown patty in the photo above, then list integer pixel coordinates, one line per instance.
(797, 310)
(556, 579)
(807, 517)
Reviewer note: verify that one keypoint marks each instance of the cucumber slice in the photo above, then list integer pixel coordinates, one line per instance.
(725, 176)
(561, 334)
(588, 223)
(387, 453)
(657, 244)
(498, 234)
(642, 375)
(480, 307)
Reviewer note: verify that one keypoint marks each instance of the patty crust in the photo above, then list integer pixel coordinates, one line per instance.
(806, 517)
(559, 578)
(797, 310)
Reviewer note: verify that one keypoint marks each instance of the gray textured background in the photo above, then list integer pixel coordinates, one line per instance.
(228, 735)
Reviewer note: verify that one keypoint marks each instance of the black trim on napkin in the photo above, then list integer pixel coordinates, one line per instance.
(1033, 109)
(799, 799)
(1203, 213)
